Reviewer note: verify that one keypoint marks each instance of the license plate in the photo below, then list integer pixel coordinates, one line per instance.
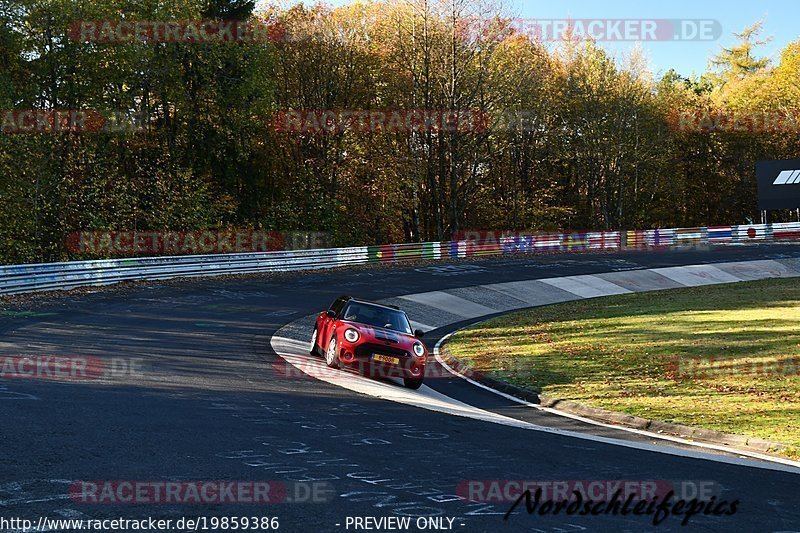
(386, 359)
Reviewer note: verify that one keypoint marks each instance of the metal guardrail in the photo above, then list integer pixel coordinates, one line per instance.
(16, 279)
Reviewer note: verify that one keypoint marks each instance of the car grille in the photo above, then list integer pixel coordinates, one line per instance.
(367, 349)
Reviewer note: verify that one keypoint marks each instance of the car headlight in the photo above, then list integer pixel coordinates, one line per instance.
(419, 350)
(351, 335)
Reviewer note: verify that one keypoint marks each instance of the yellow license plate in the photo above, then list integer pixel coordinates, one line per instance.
(386, 359)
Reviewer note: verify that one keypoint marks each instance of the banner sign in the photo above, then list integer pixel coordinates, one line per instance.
(778, 184)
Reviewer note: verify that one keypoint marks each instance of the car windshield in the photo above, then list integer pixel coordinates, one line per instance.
(373, 315)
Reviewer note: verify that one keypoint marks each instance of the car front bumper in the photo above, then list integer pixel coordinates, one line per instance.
(360, 358)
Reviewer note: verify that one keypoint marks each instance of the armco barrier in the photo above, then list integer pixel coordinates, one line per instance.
(15, 279)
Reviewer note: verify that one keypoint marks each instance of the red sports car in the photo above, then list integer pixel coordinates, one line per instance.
(371, 338)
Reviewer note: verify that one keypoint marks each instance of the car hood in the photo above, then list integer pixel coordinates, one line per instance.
(382, 335)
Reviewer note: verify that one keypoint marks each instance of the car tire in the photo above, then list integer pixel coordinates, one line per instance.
(412, 383)
(314, 349)
(331, 358)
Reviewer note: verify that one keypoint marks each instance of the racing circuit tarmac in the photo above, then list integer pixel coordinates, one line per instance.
(209, 399)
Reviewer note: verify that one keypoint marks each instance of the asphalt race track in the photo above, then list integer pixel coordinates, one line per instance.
(200, 394)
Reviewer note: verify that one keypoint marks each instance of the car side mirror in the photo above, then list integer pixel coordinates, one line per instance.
(419, 333)
(330, 314)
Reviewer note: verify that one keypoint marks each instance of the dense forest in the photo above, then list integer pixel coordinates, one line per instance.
(569, 137)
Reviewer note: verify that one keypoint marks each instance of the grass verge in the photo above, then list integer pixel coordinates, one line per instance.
(724, 357)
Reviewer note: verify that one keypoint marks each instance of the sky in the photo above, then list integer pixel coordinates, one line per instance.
(780, 21)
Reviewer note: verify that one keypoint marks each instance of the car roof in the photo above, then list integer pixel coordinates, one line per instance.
(370, 302)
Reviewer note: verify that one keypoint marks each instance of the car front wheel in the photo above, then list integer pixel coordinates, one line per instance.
(330, 355)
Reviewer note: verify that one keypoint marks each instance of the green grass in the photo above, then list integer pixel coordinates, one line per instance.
(687, 356)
